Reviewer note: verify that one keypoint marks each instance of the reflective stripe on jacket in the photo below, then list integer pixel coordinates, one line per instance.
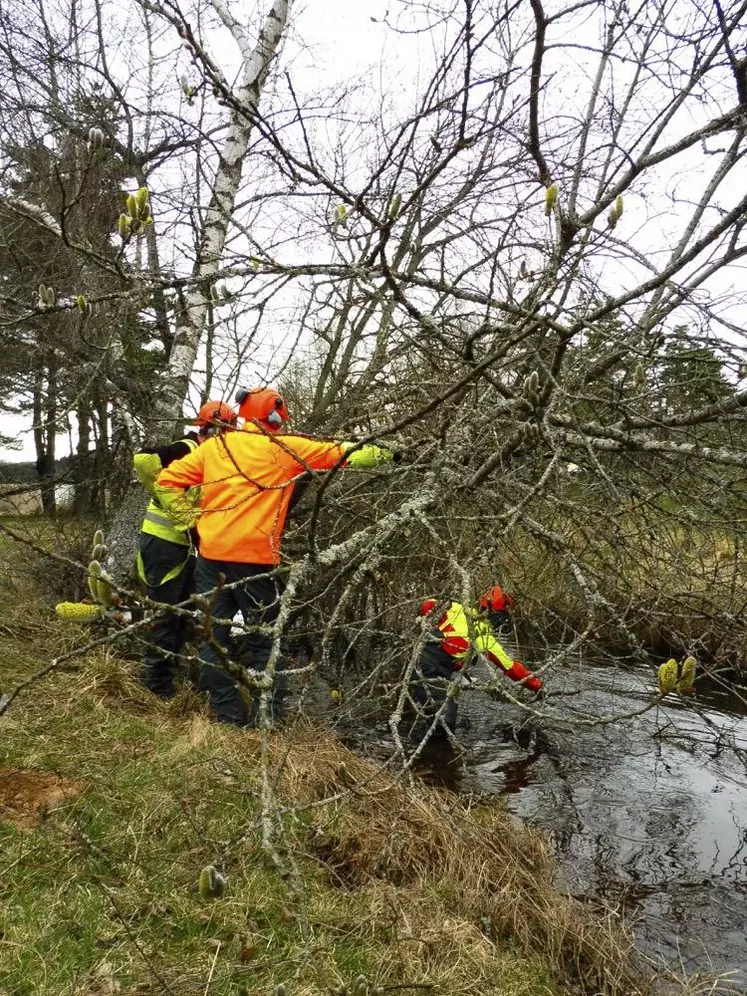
(247, 480)
(159, 561)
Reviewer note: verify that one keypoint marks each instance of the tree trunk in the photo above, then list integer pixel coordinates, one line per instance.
(45, 431)
(193, 314)
(82, 468)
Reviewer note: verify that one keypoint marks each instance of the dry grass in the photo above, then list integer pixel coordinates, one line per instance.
(490, 870)
(103, 893)
(673, 588)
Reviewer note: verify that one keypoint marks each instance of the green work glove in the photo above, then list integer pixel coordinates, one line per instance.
(368, 456)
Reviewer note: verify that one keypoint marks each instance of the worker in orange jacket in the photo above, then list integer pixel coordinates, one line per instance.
(247, 480)
(457, 633)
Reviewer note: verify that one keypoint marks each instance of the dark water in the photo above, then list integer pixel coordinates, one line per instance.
(649, 812)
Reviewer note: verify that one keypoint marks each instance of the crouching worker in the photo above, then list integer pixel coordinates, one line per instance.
(247, 479)
(165, 557)
(457, 633)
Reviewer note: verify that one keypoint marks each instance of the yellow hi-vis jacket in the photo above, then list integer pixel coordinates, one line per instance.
(157, 521)
(464, 629)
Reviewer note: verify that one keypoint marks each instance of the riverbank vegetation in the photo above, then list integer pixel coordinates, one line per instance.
(338, 868)
(111, 803)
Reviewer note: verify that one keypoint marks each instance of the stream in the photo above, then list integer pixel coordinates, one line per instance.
(648, 813)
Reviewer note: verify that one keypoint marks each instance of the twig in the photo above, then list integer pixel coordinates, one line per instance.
(212, 968)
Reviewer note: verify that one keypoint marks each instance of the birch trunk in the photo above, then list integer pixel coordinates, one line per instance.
(192, 317)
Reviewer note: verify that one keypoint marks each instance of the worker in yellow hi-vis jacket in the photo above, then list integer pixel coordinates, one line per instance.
(458, 632)
(165, 557)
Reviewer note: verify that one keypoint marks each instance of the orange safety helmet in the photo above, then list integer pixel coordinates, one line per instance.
(495, 600)
(216, 415)
(264, 405)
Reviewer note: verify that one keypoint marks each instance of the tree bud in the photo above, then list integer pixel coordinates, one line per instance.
(124, 225)
(131, 203)
(82, 304)
(78, 611)
(395, 206)
(667, 676)
(551, 198)
(95, 139)
(212, 884)
(105, 595)
(94, 570)
(686, 683)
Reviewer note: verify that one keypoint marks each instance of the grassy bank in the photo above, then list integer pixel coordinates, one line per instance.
(111, 803)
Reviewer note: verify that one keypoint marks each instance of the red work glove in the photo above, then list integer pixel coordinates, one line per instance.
(517, 671)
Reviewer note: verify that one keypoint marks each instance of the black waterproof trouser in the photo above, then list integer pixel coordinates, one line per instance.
(257, 598)
(429, 689)
(168, 630)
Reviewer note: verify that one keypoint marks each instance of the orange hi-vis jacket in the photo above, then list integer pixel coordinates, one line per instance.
(247, 480)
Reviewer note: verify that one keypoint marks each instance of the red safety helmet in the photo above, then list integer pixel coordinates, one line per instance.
(216, 414)
(495, 600)
(264, 405)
